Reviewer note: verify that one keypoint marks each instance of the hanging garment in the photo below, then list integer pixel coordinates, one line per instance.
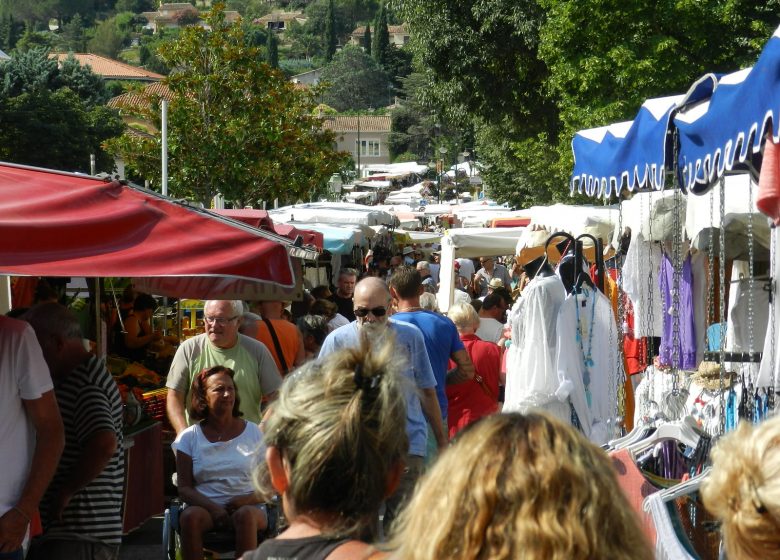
(667, 543)
(635, 487)
(686, 348)
(640, 282)
(699, 299)
(768, 200)
(769, 374)
(531, 372)
(589, 365)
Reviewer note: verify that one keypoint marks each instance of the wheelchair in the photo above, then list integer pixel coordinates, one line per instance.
(217, 544)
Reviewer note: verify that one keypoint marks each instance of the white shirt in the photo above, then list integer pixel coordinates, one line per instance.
(597, 416)
(467, 269)
(223, 469)
(531, 367)
(640, 282)
(23, 375)
(489, 329)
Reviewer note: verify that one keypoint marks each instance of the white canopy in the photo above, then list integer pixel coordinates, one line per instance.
(332, 213)
(471, 243)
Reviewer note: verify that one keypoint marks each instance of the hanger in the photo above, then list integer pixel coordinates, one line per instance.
(682, 431)
(683, 489)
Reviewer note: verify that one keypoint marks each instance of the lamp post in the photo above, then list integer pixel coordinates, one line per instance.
(442, 152)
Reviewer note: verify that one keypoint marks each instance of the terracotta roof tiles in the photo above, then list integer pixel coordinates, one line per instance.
(110, 69)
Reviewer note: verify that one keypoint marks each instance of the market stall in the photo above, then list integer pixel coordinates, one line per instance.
(58, 224)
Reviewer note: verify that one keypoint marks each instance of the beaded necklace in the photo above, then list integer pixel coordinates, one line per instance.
(587, 357)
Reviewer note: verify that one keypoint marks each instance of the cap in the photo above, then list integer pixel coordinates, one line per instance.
(408, 250)
(496, 283)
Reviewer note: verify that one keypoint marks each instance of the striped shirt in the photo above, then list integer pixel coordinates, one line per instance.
(89, 402)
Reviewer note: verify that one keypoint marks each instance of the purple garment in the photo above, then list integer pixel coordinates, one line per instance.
(687, 334)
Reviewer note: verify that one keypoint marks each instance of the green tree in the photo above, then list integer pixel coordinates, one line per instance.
(367, 40)
(354, 81)
(331, 41)
(236, 127)
(90, 87)
(303, 42)
(272, 49)
(73, 37)
(135, 6)
(108, 39)
(33, 39)
(51, 118)
(381, 38)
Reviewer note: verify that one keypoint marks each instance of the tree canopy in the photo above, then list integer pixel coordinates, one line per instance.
(526, 75)
(236, 126)
(354, 81)
(54, 117)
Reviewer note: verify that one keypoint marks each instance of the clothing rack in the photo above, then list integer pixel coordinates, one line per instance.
(737, 357)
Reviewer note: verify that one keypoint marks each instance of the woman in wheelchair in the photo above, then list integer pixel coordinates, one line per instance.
(214, 462)
(336, 440)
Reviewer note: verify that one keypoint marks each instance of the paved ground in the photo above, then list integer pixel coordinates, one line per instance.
(145, 543)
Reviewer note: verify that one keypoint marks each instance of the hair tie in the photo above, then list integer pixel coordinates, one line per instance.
(363, 382)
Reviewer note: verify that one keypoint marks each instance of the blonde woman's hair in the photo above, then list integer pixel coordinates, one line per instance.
(520, 486)
(339, 423)
(463, 315)
(743, 490)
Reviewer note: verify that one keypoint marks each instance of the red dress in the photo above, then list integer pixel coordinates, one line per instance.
(472, 400)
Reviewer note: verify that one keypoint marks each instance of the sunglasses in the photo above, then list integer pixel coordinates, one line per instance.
(376, 311)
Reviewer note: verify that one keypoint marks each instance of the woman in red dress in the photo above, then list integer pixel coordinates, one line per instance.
(477, 397)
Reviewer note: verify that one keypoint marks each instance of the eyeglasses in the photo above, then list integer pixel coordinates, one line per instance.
(376, 311)
(219, 320)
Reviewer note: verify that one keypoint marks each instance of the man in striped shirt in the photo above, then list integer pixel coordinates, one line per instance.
(81, 509)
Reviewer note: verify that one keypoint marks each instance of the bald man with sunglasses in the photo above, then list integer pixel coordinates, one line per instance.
(371, 304)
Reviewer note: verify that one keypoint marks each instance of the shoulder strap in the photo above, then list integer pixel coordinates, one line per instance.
(278, 346)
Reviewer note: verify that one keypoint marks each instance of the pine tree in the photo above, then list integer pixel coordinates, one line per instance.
(381, 38)
(367, 40)
(272, 48)
(330, 32)
(73, 34)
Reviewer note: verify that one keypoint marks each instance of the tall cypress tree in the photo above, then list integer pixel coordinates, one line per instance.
(272, 48)
(381, 38)
(367, 40)
(330, 32)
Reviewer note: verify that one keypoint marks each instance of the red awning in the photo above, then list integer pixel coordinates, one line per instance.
(57, 224)
(261, 219)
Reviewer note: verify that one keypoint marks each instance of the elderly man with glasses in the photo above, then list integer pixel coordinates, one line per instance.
(490, 270)
(372, 304)
(256, 375)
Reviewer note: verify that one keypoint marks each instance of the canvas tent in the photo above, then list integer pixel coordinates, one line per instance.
(62, 224)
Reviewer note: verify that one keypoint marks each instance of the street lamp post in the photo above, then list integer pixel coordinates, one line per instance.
(442, 152)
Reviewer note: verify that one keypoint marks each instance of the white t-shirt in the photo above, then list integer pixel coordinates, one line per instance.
(223, 469)
(490, 329)
(467, 269)
(23, 375)
(338, 321)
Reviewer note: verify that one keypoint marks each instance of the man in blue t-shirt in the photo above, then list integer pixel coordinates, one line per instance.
(372, 304)
(442, 341)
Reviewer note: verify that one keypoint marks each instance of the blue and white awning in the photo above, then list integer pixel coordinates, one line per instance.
(728, 129)
(628, 155)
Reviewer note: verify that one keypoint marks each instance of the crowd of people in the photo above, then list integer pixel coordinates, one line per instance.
(365, 413)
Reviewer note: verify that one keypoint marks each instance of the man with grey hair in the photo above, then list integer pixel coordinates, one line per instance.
(372, 304)
(256, 378)
(345, 288)
(81, 510)
(428, 283)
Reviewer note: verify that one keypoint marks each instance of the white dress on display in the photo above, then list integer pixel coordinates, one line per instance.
(589, 367)
(531, 371)
(640, 282)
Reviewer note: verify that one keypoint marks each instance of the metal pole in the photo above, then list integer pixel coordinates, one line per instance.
(358, 148)
(164, 147)
(92, 166)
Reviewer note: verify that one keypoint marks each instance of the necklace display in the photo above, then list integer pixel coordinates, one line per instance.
(587, 356)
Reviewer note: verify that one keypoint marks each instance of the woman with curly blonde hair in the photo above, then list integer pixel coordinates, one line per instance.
(743, 490)
(520, 486)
